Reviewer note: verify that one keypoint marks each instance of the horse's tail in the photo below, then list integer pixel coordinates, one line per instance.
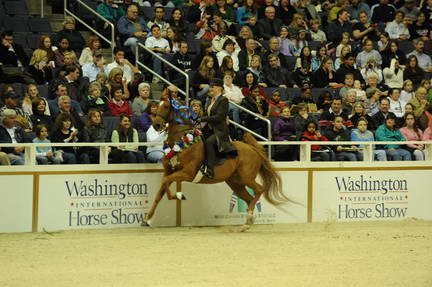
(271, 180)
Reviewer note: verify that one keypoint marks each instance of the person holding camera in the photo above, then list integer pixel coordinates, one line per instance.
(371, 68)
(364, 28)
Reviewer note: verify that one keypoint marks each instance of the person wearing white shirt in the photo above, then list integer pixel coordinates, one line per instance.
(424, 61)
(393, 76)
(234, 94)
(397, 106)
(90, 70)
(158, 45)
(155, 153)
(397, 29)
(228, 50)
(121, 62)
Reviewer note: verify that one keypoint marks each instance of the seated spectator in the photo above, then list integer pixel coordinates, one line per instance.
(284, 130)
(132, 28)
(140, 103)
(31, 94)
(257, 69)
(413, 71)
(274, 49)
(393, 76)
(219, 40)
(427, 134)
(178, 22)
(258, 105)
(95, 100)
(420, 28)
(93, 45)
(349, 101)
(339, 5)
(360, 93)
(315, 33)
(155, 153)
(383, 12)
(348, 68)
(117, 105)
(91, 70)
(4, 159)
(367, 53)
(39, 68)
(11, 133)
(11, 100)
(94, 131)
(197, 108)
(419, 102)
(339, 26)
(158, 45)
(244, 12)
(38, 116)
(116, 78)
(227, 13)
(389, 132)
(372, 101)
(110, 11)
(159, 20)
(338, 132)
(173, 39)
(297, 23)
(383, 112)
(126, 133)
(228, 49)
(411, 12)
(75, 39)
(339, 60)
(285, 43)
(364, 28)
(423, 60)
(427, 85)
(407, 91)
(363, 134)
(348, 85)
(205, 50)
(319, 153)
(397, 29)
(65, 132)
(392, 51)
(183, 61)
(276, 104)
(121, 62)
(301, 77)
(269, 25)
(45, 43)
(64, 55)
(371, 68)
(45, 154)
(344, 43)
(324, 101)
(372, 82)
(397, 106)
(412, 132)
(300, 41)
(206, 71)
(328, 116)
(206, 29)
(276, 76)
(233, 94)
(146, 119)
(320, 55)
(324, 76)
(54, 106)
(304, 98)
(359, 112)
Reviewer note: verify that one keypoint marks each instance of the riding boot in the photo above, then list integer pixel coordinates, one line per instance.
(210, 157)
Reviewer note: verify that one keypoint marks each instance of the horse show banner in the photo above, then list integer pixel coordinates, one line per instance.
(100, 201)
(215, 204)
(371, 195)
(16, 199)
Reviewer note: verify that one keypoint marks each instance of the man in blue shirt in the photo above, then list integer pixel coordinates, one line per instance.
(90, 70)
(132, 28)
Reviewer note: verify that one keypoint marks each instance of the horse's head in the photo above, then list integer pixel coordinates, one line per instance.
(163, 115)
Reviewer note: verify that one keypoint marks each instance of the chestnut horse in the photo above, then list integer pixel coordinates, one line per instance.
(237, 172)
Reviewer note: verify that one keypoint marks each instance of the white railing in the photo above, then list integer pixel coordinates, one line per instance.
(141, 64)
(305, 149)
(109, 41)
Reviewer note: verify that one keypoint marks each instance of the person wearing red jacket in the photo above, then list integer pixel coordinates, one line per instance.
(319, 153)
(117, 105)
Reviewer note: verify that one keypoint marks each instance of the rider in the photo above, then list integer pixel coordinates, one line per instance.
(216, 131)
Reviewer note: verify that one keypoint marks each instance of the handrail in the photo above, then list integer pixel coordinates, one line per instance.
(305, 146)
(42, 9)
(112, 41)
(269, 131)
(185, 93)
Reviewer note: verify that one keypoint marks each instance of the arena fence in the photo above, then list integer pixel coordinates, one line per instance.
(59, 197)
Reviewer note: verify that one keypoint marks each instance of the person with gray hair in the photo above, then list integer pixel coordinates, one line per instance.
(95, 99)
(140, 103)
(10, 133)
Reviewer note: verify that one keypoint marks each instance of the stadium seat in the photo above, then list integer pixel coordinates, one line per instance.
(291, 61)
(290, 94)
(33, 40)
(43, 91)
(16, 24)
(21, 39)
(39, 25)
(16, 8)
(406, 46)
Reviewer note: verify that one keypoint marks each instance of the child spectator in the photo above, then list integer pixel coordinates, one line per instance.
(343, 43)
(319, 153)
(407, 91)
(45, 154)
(348, 84)
(314, 31)
(360, 94)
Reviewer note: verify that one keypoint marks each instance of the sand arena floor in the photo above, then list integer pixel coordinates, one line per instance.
(319, 254)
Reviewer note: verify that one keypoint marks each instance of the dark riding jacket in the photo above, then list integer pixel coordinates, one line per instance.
(217, 124)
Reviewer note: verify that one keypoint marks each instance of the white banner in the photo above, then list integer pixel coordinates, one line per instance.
(100, 201)
(214, 204)
(16, 198)
(371, 195)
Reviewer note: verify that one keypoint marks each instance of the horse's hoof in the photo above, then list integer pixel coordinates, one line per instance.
(145, 223)
(250, 219)
(244, 228)
(180, 196)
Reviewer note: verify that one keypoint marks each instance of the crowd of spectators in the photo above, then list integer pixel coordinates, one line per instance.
(319, 70)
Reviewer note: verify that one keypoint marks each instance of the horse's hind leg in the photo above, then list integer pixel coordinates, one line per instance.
(239, 189)
(258, 192)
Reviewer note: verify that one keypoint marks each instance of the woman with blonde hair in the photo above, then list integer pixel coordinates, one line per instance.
(45, 43)
(115, 78)
(93, 44)
(206, 72)
(39, 67)
(257, 69)
(298, 23)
